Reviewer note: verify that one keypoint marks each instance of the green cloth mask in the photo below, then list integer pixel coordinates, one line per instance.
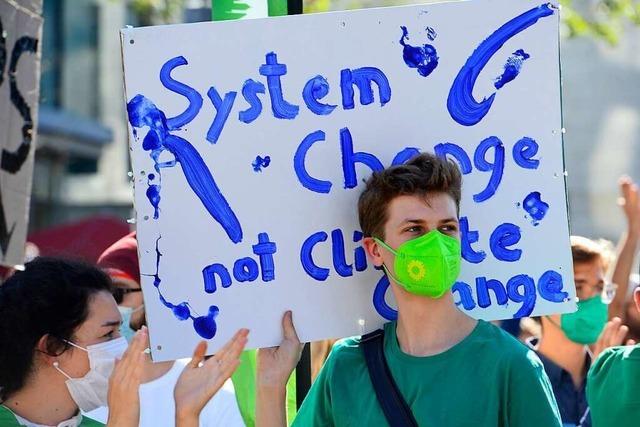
(585, 325)
(428, 265)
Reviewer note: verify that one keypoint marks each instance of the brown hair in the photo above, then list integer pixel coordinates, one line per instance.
(586, 251)
(423, 174)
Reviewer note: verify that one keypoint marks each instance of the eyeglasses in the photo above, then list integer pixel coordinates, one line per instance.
(609, 292)
(119, 293)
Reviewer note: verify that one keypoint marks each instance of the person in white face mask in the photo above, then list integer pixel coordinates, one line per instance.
(120, 262)
(58, 344)
(61, 351)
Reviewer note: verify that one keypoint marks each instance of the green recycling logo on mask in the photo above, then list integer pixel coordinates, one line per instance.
(428, 265)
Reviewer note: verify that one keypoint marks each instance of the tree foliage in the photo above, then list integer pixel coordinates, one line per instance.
(601, 19)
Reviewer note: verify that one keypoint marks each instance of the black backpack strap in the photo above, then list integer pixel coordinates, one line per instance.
(395, 408)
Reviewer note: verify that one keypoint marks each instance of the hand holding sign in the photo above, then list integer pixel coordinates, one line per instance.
(275, 364)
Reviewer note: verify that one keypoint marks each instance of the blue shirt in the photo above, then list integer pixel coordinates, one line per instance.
(572, 401)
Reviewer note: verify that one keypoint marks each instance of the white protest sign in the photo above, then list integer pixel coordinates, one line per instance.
(251, 139)
(20, 32)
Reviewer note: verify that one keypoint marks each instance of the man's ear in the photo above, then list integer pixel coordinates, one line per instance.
(373, 250)
(636, 297)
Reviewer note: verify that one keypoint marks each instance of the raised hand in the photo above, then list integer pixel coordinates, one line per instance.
(123, 398)
(611, 336)
(200, 379)
(628, 246)
(630, 202)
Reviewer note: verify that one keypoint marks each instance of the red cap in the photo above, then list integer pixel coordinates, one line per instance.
(120, 260)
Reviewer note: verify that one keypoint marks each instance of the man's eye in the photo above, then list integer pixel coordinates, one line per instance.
(108, 334)
(414, 229)
(448, 228)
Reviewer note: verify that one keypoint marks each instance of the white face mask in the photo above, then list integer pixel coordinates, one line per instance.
(90, 391)
(125, 329)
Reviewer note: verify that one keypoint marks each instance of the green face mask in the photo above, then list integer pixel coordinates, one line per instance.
(585, 325)
(428, 265)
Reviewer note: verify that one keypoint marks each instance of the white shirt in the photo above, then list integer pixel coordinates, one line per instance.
(73, 422)
(157, 407)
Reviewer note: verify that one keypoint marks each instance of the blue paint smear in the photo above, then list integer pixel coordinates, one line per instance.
(223, 109)
(431, 33)
(265, 250)
(307, 181)
(405, 155)
(550, 287)
(496, 167)
(349, 159)
(467, 237)
(153, 194)
(250, 91)
(527, 297)
(466, 295)
(314, 90)
(504, 236)
(306, 258)
(260, 163)
(461, 104)
(379, 302)
(360, 256)
(447, 148)
(535, 207)
(523, 152)
(339, 257)
(363, 79)
(423, 58)
(511, 68)
(245, 270)
(205, 326)
(483, 285)
(209, 277)
(273, 70)
(142, 112)
(195, 99)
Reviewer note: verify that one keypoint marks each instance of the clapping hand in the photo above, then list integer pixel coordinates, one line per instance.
(200, 379)
(124, 382)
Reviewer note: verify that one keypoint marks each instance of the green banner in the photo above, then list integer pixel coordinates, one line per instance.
(278, 7)
(224, 10)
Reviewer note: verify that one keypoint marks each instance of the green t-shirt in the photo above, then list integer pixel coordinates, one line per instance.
(8, 419)
(613, 388)
(488, 379)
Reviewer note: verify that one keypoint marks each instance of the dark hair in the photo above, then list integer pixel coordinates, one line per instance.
(423, 174)
(50, 297)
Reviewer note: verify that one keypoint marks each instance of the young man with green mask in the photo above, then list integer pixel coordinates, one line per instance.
(450, 369)
(564, 343)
